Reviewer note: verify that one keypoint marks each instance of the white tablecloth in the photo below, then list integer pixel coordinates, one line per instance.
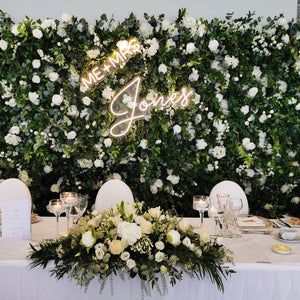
(277, 278)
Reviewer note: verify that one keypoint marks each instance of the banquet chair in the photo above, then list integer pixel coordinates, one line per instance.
(113, 192)
(231, 188)
(14, 189)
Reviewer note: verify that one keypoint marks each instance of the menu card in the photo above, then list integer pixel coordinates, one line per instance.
(16, 219)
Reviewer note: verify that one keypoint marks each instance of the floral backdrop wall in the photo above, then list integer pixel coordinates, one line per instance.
(242, 123)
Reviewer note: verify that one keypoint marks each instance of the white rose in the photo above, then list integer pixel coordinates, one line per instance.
(100, 251)
(162, 68)
(176, 129)
(57, 99)
(36, 63)
(86, 101)
(154, 212)
(194, 76)
(36, 79)
(12, 139)
(88, 239)
(173, 237)
(245, 109)
(146, 29)
(14, 130)
(297, 107)
(146, 227)
(3, 45)
(183, 225)
(256, 72)
(173, 179)
(218, 152)
(71, 135)
(14, 30)
(34, 98)
(247, 144)
(107, 142)
(154, 46)
(116, 247)
(250, 173)
(107, 93)
(129, 209)
(98, 163)
(129, 232)
(143, 144)
(93, 53)
(159, 256)
(252, 92)
(48, 169)
(48, 23)
(66, 18)
(213, 46)
(159, 245)
(37, 33)
(125, 256)
(285, 38)
(187, 242)
(53, 76)
(190, 48)
(295, 200)
(130, 263)
(201, 144)
(12, 102)
(204, 236)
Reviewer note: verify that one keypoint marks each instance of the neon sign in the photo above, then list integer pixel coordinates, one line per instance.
(119, 57)
(138, 108)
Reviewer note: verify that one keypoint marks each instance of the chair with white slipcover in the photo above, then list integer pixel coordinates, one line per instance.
(111, 193)
(14, 189)
(231, 188)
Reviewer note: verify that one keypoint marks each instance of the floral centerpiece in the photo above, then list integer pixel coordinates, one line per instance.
(150, 244)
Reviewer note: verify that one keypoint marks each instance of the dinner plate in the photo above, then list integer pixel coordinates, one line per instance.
(295, 240)
(231, 188)
(287, 220)
(267, 224)
(35, 218)
(281, 249)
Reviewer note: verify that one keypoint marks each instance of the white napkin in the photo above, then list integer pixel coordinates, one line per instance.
(252, 221)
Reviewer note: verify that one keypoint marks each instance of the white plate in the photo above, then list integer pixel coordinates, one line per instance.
(231, 188)
(292, 225)
(295, 240)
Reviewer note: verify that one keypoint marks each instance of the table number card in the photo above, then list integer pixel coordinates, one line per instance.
(16, 219)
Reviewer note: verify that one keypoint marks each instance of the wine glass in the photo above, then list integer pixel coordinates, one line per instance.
(69, 200)
(56, 207)
(79, 208)
(223, 200)
(236, 206)
(201, 203)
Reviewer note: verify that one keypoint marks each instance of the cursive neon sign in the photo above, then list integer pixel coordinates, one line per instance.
(119, 57)
(127, 114)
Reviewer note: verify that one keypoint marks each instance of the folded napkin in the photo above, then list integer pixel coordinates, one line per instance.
(251, 221)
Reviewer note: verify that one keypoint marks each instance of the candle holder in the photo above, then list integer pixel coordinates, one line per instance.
(69, 199)
(56, 207)
(201, 203)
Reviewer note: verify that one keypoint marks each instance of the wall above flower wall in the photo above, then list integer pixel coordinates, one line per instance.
(242, 122)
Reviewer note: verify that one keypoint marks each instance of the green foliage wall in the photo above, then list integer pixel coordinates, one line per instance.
(242, 123)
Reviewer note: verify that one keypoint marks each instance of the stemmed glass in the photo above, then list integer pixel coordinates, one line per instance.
(223, 200)
(69, 200)
(79, 208)
(56, 207)
(236, 206)
(201, 203)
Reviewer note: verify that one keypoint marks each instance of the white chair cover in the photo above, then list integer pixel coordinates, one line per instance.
(111, 193)
(14, 189)
(231, 188)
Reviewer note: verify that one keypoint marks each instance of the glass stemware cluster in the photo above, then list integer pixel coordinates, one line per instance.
(68, 202)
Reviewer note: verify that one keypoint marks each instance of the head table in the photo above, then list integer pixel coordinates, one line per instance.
(261, 274)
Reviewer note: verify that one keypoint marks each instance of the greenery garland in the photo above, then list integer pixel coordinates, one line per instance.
(242, 124)
(153, 245)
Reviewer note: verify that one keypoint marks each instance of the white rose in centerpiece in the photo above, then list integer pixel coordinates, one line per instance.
(116, 247)
(154, 212)
(159, 245)
(159, 256)
(100, 250)
(187, 242)
(129, 209)
(3, 45)
(213, 46)
(184, 225)
(130, 263)
(88, 239)
(37, 33)
(125, 255)
(146, 227)
(129, 232)
(173, 237)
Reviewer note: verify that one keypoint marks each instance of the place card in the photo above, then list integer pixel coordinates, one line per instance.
(16, 219)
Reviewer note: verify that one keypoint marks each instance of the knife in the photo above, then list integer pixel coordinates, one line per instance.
(286, 224)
